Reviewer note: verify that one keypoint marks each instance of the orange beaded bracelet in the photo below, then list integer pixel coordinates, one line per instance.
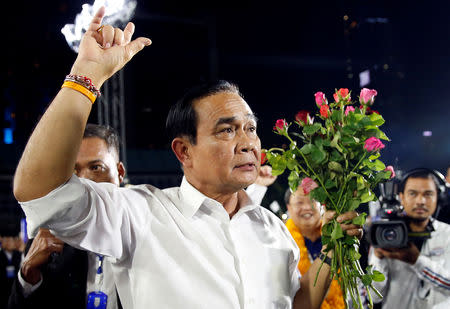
(80, 88)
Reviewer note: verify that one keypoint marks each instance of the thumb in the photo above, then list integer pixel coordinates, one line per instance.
(136, 46)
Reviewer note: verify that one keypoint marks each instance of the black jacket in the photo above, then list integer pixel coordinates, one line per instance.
(63, 286)
(6, 282)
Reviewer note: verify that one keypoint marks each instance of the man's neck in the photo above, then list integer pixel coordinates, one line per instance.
(311, 234)
(418, 226)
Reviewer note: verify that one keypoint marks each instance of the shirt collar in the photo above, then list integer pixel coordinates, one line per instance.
(192, 199)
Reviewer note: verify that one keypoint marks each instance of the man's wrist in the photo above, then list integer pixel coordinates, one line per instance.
(30, 274)
(325, 258)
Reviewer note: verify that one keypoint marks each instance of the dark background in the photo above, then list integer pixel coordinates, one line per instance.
(279, 52)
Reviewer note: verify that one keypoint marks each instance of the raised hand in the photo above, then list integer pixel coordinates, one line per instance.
(265, 177)
(104, 50)
(44, 244)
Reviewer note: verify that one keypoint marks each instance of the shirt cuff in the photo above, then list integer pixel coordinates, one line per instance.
(28, 288)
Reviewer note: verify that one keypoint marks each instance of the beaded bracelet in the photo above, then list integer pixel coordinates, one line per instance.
(69, 84)
(85, 82)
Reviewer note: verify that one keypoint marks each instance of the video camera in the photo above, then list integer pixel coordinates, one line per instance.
(389, 229)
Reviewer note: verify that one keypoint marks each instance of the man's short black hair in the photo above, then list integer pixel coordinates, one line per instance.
(106, 133)
(419, 173)
(182, 118)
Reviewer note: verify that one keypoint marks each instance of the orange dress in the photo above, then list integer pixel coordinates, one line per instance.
(334, 298)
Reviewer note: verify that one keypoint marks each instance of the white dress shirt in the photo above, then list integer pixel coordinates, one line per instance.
(175, 248)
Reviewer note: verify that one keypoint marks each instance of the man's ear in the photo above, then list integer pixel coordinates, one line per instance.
(181, 146)
(121, 171)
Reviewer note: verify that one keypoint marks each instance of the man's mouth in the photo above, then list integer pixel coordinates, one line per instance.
(246, 167)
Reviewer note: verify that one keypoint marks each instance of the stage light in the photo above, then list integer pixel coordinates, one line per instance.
(364, 78)
(118, 13)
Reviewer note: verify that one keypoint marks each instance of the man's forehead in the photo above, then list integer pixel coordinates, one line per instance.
(420, 184)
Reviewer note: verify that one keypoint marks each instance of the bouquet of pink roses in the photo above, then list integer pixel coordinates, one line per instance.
(336, 161)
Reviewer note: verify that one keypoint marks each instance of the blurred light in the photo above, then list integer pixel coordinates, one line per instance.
(274, 206)
(350, 75)
(345, 17)
(284, 216)
(427, 133)
(385, 66)
(8, 136)
(118, 12)
(364, 78)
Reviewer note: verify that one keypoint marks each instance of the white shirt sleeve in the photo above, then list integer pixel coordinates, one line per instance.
(28, 288)
(98, 217)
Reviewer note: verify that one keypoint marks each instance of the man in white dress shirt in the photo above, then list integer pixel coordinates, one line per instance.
(202, 245)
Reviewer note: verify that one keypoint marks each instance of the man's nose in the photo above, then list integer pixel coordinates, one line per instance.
(246, 143)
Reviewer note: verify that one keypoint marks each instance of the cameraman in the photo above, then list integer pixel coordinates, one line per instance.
(417, 276)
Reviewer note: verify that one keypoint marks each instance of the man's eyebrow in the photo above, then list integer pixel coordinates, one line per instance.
(228, 120)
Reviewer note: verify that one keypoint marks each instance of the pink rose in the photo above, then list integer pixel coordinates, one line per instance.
(367, 96)
(349, 109)
(373, 144)
(320, 98)
(308, 185)
(280, 125)
(390, 168)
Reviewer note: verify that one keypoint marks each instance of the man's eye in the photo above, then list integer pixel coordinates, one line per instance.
(227, 130)
(97, 167)
(252, 129)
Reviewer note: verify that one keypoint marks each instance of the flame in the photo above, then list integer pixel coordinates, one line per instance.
(117, 14)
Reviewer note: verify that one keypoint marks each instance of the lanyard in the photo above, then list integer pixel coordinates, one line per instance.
(99, 273)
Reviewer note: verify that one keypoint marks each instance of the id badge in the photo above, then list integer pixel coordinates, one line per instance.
(97, 300)
(10, 271)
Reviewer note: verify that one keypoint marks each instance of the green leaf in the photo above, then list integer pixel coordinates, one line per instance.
(329, 183)
(318, 194)
(311, 129)
(377, 120)
(335, 166)
(337, 232)
(318, 155)
(306, 149)
(366, 280)
(367, 196)
(353, 204)
(336, 116)
(360, 220)
(336, 156)
(378, 276)
(294, 180)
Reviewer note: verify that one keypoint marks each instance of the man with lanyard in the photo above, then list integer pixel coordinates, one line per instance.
(204, 244)
(417, 277)
(54, 272)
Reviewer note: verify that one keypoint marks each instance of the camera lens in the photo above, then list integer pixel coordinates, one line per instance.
(389, 234)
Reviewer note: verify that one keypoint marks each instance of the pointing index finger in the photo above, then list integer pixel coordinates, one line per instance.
(97, 20)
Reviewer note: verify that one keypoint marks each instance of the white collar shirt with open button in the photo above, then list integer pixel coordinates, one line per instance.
(176, 248)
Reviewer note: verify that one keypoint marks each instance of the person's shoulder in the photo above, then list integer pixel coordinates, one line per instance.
(268, 216)
(441, 227)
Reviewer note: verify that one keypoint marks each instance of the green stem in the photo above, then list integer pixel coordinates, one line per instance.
(276, 149)
(347, 178)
